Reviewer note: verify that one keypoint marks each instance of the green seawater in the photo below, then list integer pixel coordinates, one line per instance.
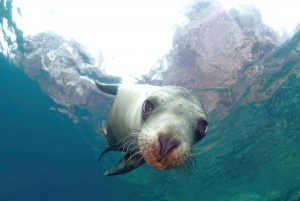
(252, 154)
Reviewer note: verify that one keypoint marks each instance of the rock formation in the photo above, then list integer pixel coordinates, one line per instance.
(65, 71)
(211, 52)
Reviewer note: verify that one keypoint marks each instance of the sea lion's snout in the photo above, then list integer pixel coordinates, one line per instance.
(168, 143)
(163, 150)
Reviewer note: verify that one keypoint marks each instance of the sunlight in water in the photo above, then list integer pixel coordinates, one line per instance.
(277, 14)
(131, 34)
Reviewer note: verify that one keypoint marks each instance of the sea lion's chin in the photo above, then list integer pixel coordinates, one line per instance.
(159, 158)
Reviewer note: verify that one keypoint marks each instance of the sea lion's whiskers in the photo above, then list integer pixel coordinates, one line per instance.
(130, 149)
(182, 168)
(133, 156)
(137, 146)
(135, 133)
(129, 141)
(140, 136)
(136, 130)
(140, 159)
(191, 154)
(119, 148)
(133, 142)
(123, 139)
(192, 163)
(132, 135)
(127, 144)
(200, 152)
(143, 138)
(188, 165)
(193, 159)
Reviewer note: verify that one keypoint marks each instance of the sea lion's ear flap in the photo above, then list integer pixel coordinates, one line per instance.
(111, 89)
(126, 164)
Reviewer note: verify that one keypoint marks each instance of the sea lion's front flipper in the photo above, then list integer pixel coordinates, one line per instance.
(111, 89)
(126, 164)
(107, 149)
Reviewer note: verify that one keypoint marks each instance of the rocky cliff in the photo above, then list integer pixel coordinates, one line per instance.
(217, 54)
(65, 72)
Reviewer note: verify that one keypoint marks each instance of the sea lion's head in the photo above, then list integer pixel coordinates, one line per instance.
(173, 121)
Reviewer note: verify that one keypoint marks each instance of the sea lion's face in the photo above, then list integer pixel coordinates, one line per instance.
(173, 121)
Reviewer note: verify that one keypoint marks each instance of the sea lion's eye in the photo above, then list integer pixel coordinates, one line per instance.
(203, 125)
(148, 106)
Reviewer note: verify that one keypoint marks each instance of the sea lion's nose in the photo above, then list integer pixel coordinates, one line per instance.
(167, 142)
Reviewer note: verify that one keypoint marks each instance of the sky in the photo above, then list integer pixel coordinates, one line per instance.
(131, 34)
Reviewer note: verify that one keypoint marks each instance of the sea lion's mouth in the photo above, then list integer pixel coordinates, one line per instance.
(164, 152)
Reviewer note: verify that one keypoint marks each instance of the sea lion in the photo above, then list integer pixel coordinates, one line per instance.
(152, 124)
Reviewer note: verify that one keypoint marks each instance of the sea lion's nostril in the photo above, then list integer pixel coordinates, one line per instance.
(167, 142)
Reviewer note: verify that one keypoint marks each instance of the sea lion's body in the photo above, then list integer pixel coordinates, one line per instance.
(152, 124)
